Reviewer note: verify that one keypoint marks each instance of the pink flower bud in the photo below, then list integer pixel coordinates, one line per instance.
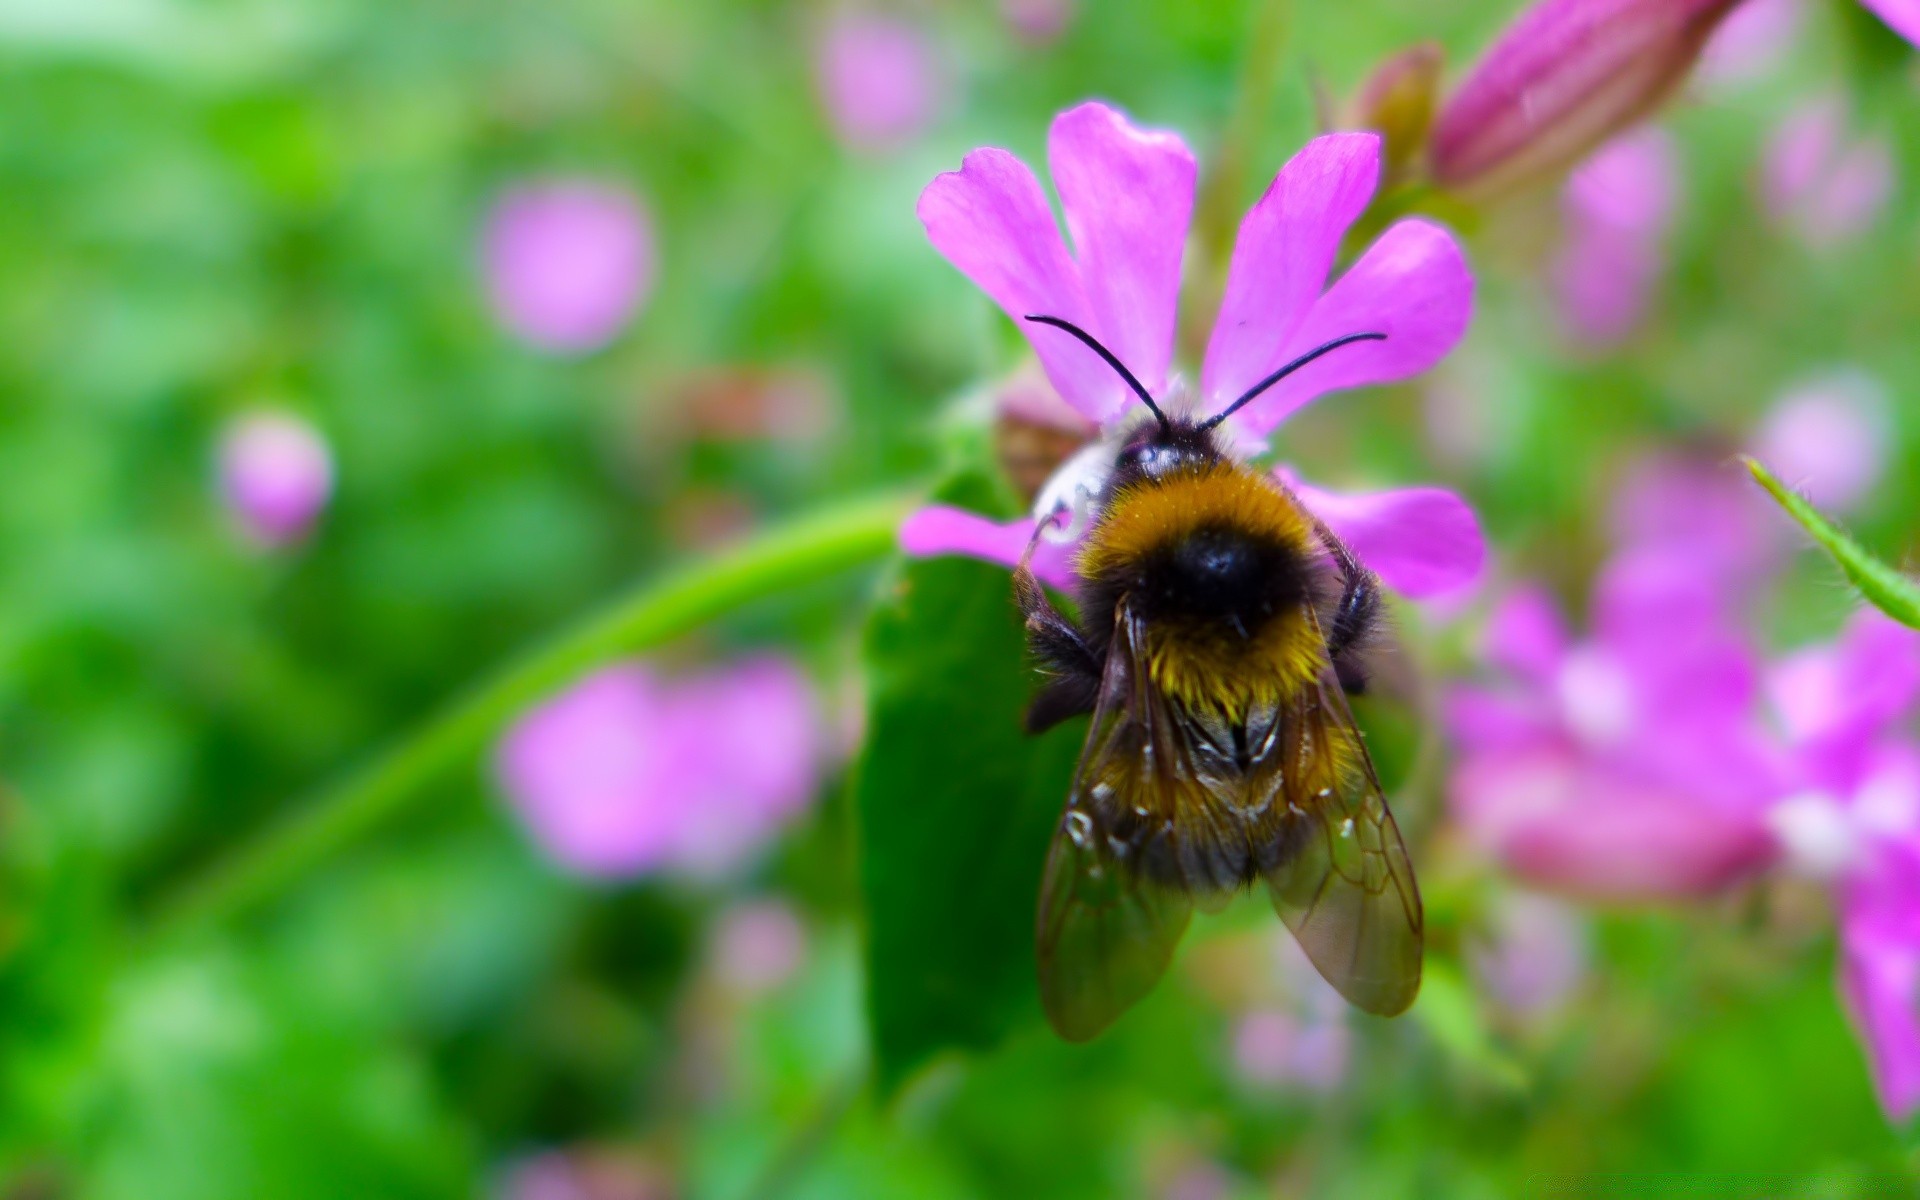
(1397, 102)
(276, 474)
(1565, 77)
(568, 262)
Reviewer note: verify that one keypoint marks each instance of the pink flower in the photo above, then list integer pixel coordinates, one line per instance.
(567, 262)
(880, 79)
(1828, 438)
(276, 474)
(1751, 42)
(1851, 816)
(1618, 210)
(1127, 195)
(757, 946)
(1628, 767)
(1820, 181)
(1701, 508)
(627, 773)
(1301, 1042)
(1038, 22)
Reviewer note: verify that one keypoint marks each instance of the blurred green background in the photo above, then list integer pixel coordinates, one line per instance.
(209, 207)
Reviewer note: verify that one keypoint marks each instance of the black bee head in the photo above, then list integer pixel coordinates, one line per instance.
(1157, 452)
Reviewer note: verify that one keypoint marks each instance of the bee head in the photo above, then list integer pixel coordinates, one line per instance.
(1156, 452)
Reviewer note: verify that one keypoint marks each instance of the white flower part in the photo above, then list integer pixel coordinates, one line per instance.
(1887, 806)
(1596, 697)
(1074, 489)
(1816, 832)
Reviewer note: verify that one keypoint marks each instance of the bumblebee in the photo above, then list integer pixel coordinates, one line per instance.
(1221, 628)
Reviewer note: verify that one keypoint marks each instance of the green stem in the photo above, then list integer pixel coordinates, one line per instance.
(808, 548)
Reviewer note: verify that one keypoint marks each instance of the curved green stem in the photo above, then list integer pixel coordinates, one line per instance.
(806, 549)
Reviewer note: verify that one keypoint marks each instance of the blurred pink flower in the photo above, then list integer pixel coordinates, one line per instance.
(276, 474)
(1851, 816)
(1751, 42)
(1617, 209)
(1703, 509)
(1038, 21)
(1533, 956)
(1822, 182)
(758, 945)
(880, 78)
(1128, 194)
(1828, 438)
(627, 772)
(1302, 1042)
(568, 262)
(1628, 767)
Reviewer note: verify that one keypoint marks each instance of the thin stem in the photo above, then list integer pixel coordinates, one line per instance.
(808, 548)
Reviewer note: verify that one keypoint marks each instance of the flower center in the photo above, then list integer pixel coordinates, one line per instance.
(1820, 839)
(1596, 697)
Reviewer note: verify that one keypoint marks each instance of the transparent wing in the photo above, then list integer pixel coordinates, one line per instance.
(1113, 901)
(1336, 868)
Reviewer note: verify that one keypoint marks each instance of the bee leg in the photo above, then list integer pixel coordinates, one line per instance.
(1355, 617)
(1074, 669)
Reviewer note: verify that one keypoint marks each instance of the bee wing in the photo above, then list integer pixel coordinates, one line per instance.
(1340, 878)
(1113, 902)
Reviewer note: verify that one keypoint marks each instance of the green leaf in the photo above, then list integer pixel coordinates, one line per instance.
(955, 806)
(1884, 587)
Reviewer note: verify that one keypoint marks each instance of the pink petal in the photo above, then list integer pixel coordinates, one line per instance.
(1285, 248)
(1412, 285)
(1420, 541)
(939, 529)
(1902, 16)
(990, 219)
(1828, 438)
(588, 774)
(1526, 635)
(1484, 719)
(751, 741)
(1617, 209)
(1708, 512)
(1836, 702)
(1880, 981)
(1583, 830)
(1128, 195)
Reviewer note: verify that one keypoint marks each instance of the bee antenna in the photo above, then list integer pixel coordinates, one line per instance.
(1116, 364)
(1287, 370)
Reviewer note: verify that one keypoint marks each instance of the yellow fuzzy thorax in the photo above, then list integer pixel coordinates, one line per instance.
(1205, 664)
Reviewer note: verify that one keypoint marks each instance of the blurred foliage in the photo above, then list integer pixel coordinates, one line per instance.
(205, 206)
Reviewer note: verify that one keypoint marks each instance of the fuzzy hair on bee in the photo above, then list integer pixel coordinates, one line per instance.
(1220, 627)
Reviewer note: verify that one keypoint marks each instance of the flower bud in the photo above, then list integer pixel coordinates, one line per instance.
(1397, 102)
(1564, 78)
